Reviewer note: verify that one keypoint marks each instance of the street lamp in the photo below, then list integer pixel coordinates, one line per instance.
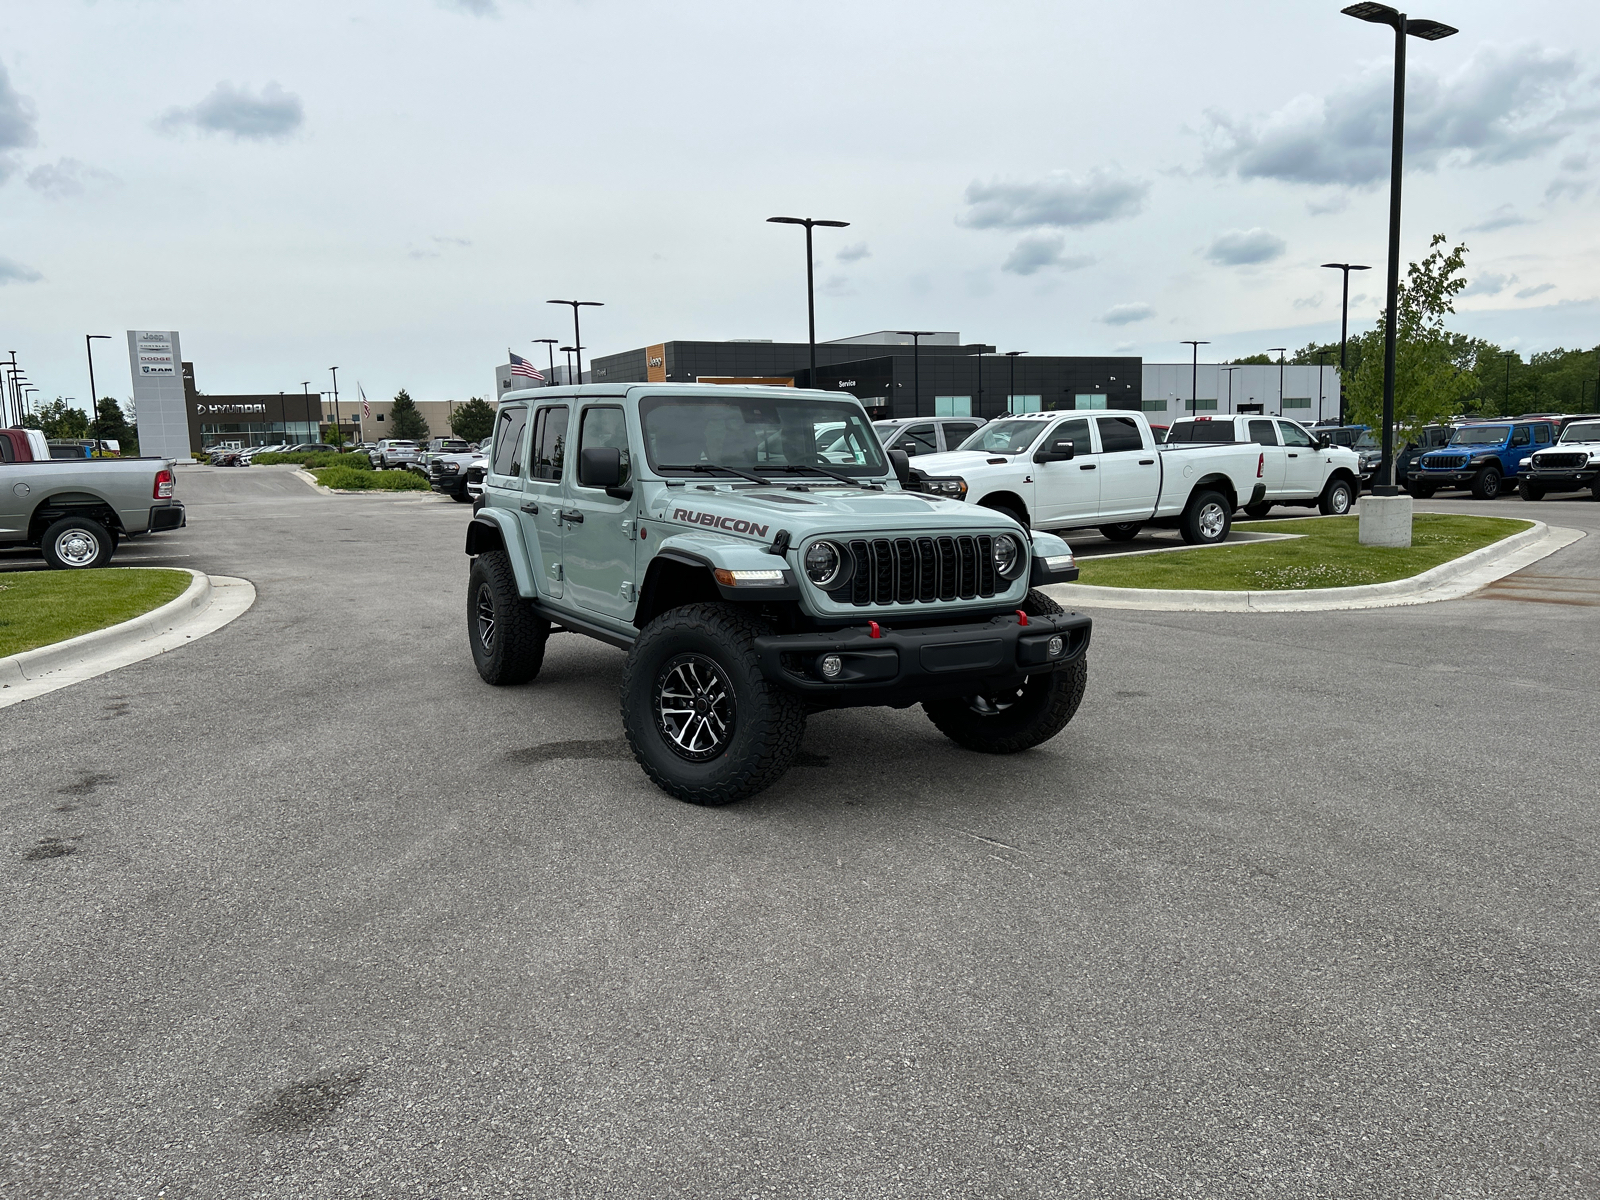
(1280, 350)
(1344, 325)
(1321, 366)
(1431, 31)
(89, 339)
(550, 347)
(1230, 371)
(335, 371)
(811, 296)
(916, 336)
(577, 338)
(1194, 377)
(1508, 355)
(568, 351)
(1011, 395)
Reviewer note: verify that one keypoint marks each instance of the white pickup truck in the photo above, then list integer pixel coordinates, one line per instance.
(1298, 467)
(1104, 470)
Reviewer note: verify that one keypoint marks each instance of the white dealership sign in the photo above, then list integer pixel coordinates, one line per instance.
(155, 361)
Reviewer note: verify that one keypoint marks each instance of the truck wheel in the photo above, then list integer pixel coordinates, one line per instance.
(1486, 483)
(75, 544)
(1337, 498)
(461, 497)
(1530, 490)
(1124, 532)
(506, 635)
(1019, 719)
(1258, 510)
(702, 720)
(1207, 519)
(1010, 510)
(1420, 491)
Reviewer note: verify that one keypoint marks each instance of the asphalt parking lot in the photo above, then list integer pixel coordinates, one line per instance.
(1300, 905)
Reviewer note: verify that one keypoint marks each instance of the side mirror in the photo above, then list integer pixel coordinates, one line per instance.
(1057, 452)
(901, 462)
(1324, 442)
(601, 467)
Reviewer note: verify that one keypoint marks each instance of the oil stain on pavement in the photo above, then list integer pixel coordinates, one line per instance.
(51, 847)
(301, 1106)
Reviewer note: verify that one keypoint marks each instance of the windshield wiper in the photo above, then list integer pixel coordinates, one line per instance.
(705, 468)
(830, 473)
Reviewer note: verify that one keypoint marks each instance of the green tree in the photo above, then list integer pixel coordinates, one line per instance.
(57, 420)
(472, 421)
(110, 423)
(1255, 360)
(1436, 371)
(406, 421)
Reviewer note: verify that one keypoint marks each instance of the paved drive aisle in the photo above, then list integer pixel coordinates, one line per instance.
(1299, 906)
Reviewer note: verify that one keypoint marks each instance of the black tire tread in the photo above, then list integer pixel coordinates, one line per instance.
(1189, 523)
(106, 537)
(1479, 488)
(1325, 502)
(520, 633)
(1124, 531)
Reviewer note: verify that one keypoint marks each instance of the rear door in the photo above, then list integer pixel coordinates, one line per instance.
(1521, 446)
(1303, 466)
(542, 498)
(1067, 493)
(599, 538)
(1129, 477)
(1264, 433)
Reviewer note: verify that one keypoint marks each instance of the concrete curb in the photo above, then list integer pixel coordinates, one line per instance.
(1448, 581)
(205, 606)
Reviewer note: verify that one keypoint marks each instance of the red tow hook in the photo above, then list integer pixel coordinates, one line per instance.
(873, 630)
(1022, 617)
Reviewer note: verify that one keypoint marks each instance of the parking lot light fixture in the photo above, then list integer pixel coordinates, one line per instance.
(916, 336)
(811, 294)
(577, 336)
(1280, 350)
(1194, 374)
(1344, 323)
(1508, 355)
(1431, 31)
(550, 347)
(1011, 394)
(568, 351)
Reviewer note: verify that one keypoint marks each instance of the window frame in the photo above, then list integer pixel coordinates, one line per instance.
(626, 448)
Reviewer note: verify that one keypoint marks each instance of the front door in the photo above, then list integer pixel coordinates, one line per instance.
(1264, 433)
(1129, 474)
(1302, 465)
(1068, 492)
(542, 497)
(600, 535)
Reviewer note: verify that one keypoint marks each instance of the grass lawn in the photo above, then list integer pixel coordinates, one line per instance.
(1327, 556)
(40, 607)
(350, 479)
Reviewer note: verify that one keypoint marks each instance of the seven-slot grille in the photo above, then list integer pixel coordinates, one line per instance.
(1561, 462)
(918, 570)
(1444, 462)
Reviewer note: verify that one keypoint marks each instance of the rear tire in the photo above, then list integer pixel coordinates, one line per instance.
(703, 721)
(506, 635)
(76, 544)
(1020, 719)
(1125, 532)
(1258, 511)
(1486, 483)
(1207, 519)
(1337, 498)
(1530, 490)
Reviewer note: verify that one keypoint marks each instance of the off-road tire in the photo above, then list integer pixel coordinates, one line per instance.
(1125, 532)
(93, 538)
(1046, 703)
(1486, 484)
(1331, 504)
(1420, 491)
(1197, 516)
(768, 722)
(514, 651)
(1529, 490)
(1257, 511)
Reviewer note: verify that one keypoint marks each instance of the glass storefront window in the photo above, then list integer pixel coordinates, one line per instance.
(952, 406)
(1025, 404)
(1089, 400)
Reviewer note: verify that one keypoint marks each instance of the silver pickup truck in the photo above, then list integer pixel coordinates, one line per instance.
(77, 510)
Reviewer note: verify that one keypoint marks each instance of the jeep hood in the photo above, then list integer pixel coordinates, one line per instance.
(760, 512)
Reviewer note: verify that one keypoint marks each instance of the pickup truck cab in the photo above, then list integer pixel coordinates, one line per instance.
(1298, 468)
(925, 435)
(1480, 457)
(752, 577)
(1572, 464)
(77, 510)
(1102, 469)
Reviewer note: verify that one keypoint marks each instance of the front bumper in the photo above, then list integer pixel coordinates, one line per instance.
(449, 485)
(1443, 479)
(1563, 481)
(907, 665)
(167, 516)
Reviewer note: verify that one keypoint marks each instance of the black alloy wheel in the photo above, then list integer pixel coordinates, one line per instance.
(506, 635)
(1486, 483)
(695, 710)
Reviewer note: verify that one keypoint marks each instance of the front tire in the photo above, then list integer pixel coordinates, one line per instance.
(1010, 510)
(1207, 519)
(1486, 484)
(1019, 719)
(76, 544)
(1124, 532)
(703, 722)
(1337, 498)
(506, 635)
(1420, 491)
(1530, 490)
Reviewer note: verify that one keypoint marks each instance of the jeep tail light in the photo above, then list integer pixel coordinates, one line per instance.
(1261, 464)
(163, 489)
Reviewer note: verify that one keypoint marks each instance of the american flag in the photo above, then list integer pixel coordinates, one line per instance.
(521, 366)
(366, 406)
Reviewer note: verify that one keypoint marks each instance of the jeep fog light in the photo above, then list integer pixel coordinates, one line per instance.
(830, 665)
(1055, 646)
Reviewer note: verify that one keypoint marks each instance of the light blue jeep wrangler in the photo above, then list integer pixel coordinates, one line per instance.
(752, 550)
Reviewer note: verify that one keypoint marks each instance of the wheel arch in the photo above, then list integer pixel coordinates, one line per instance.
(1005, 499)
(674, 578)
(496, 529)
(1214, 483)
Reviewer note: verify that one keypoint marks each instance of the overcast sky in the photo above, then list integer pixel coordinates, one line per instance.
(397, 186)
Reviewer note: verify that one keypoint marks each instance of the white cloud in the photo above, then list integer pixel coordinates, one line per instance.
(1488, 283)
(274, 114)
(837, 285)
(1309, 302)
(1502, 105)
(66, 178)
(474, 8)
(1245, 247)
(1058, 201)
(854, 253)
(1528, 293)
(1039, 250)
(17, 120)
(1501, 218)
(12, 271)
(1566, 186)
(1324, 205)
(1127, 314)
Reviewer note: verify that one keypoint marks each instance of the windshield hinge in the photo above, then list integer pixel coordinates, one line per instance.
(780, 543)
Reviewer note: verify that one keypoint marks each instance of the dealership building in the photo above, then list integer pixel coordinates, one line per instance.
(1301, 393)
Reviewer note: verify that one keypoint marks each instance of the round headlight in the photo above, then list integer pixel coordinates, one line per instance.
(1007, 556)
(823, 563)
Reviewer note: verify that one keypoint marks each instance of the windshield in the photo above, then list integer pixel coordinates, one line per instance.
(1582, 431)
(1004, 437)
(1481, 435)
(1201, 431)
(1367, 442)
(688, 434)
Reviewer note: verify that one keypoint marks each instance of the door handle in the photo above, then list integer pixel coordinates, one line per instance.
(1147, 462)
(1292, 454)
(531, 508)
(1085, 466)
(571, 516)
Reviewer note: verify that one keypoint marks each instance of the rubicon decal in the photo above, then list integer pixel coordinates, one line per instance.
(712, 521)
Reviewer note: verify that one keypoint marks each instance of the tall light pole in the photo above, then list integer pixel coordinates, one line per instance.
(811, 295)
(1431, 31)
(577, 337)
(27, 399)
(1321, 366)
(13, 376)
(916, 336)
(1280, 350)
(568, 350)
(1011, 395)
(335, 371)
(1508, 355)
(1344, 325)
(1230, 371)
(89, 340)
(550, 347)
(1194, 377)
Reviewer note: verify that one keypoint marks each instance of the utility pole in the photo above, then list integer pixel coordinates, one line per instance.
(1194, 378)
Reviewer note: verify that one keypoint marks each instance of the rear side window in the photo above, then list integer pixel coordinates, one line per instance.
(956, 432)
(549, 443)
(1201, 431)
(1262, 433)
(5, 449)
(1119, 434)
(1541, 434)
(507, 439)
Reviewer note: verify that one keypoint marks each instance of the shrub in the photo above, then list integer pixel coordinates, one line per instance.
(314, 459)
(347, 479)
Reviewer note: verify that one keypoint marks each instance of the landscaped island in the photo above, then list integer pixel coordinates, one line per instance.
(41, 607)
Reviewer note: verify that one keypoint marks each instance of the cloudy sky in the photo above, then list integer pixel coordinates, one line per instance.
(397, 186)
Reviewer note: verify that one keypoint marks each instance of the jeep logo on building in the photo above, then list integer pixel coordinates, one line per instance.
(712, 521)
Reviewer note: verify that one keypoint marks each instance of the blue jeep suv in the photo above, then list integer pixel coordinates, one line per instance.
(1480, 457)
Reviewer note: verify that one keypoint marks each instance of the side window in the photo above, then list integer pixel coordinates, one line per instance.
(5, 450)
(1541, 434)
(956, 432)
(550, 443)
(1520, 436)
(1293, 435)
(604, 427)
(1119, 434)
(507, 439)
(1263, 433)
(1074, 431)
(919, 439)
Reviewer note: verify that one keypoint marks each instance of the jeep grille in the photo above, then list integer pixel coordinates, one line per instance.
(1561, 462)
(919, 570)
(1444, 462)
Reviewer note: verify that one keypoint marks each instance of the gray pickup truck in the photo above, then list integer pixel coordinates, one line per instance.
(77, 510)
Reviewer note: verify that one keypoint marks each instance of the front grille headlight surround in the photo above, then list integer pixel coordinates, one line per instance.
(1009, 559)
(828, 564)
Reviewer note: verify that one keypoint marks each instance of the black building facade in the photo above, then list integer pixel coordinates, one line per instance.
(893, 381)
